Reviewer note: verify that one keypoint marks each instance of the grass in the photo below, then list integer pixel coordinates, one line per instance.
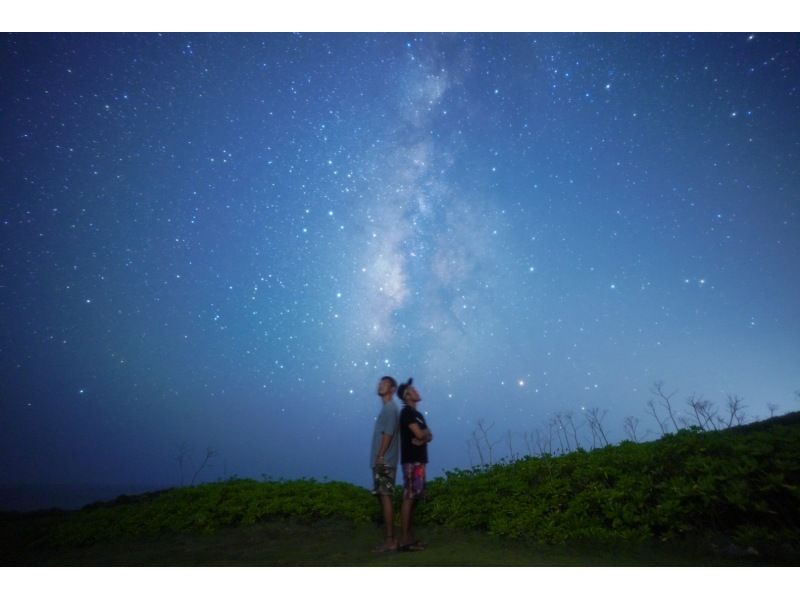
(342, 543)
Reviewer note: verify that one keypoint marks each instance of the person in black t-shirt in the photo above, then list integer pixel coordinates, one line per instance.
(414, 438)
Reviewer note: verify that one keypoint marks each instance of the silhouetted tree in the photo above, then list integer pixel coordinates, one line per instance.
(527, 437)
(182, 458)
(477, 443)
(772, 409)
(545, 446)
(630, 424)
(651, 409)
(571, 424)
(510, 446)
(595, 419)
(553, 425)
(704, 411)
(736, 410)
(482, 434)
(562, 429)
(665, 400)
(210, 454)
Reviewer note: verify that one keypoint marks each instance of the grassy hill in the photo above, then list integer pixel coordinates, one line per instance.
(733, 493)
(743, 483)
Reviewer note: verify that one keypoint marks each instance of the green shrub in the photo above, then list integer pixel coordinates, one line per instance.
(689, 482)
(740, 483)
(209, 507)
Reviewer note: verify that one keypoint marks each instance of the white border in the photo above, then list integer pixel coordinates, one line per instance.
(401, 16)
(599, 582)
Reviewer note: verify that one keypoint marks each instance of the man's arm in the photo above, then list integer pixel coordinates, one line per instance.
(420, 436)
(386, 440)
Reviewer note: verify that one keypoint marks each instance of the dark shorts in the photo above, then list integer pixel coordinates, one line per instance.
(383, 480)
(414, 481)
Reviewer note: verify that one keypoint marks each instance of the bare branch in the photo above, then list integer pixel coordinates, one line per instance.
(652, 411)
(210, 454)
(478, 446)
(181, 458)
(554, 426)
(568, 419)
(562, 429)
(697, 405)
(545, 447)
(736, 410)
(665, 400)
(484, 430)
(630, 424)
(595, 419)
(527, 438)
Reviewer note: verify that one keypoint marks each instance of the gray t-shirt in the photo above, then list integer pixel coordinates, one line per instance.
(386, 423)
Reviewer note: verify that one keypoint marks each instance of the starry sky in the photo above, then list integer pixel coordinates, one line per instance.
(224, 240)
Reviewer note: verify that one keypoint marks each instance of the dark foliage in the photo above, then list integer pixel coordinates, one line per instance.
(741, 484)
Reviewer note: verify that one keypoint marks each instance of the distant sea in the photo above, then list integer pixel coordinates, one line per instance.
(32, 497)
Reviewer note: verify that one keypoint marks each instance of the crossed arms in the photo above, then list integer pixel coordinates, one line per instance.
(420, 436)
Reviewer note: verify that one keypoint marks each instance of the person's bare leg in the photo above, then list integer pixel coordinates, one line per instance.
(406, 511)
(388, 518)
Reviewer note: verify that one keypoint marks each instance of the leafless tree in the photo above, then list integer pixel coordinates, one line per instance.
(705, 412)
(772, 409)
(477, 443)
(210, 454)
(713, 415)
(483, 434)
(595, 418)
(510, 446)
(562, 429)
(550, 427)
(736, 410)
(631, 423)
(571, 424)
(555, 425)
(692, 402)
(182, 458)
(651, 409)
(527, 437)
(545, 446)
(592, 430)
(665, 400)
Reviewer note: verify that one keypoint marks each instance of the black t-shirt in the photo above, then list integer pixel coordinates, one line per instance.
(410, 453)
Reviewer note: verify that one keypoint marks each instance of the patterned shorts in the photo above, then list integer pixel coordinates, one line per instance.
(414, 481)
(383, 480)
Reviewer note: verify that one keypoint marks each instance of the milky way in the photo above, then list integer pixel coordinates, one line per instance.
(225, 240)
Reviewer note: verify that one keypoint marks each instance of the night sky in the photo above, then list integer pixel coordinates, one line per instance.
(226, 240)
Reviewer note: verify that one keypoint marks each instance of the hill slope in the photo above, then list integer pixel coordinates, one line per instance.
(739, 486)
(743, 482)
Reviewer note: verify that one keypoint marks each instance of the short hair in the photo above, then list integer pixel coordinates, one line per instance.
(391, 380)
(401, 391)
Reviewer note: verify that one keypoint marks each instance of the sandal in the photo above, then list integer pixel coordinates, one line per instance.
(415, 547)
(384, 548)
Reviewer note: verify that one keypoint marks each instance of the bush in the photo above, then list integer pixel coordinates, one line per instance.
(742, 483)
(209, 507)
(731, 482)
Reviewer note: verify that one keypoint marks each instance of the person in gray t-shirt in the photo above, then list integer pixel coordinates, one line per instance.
(383, 457)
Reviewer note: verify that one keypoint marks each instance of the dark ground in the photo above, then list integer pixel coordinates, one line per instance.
(335, 543)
